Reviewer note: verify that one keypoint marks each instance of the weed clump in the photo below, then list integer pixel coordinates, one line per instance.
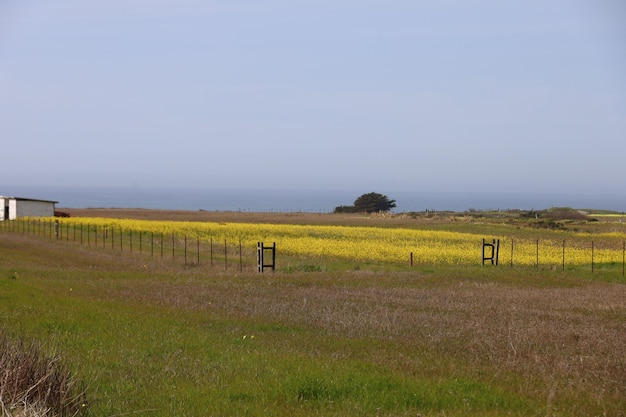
(33, 384)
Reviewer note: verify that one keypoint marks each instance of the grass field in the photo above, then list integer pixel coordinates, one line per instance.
(161, 338)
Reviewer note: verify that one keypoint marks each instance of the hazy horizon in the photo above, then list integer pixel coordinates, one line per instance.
(450, 96)
(303, 200)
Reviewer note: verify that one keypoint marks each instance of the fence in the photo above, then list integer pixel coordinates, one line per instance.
(544, 253)
(604, 254)
(171, 246)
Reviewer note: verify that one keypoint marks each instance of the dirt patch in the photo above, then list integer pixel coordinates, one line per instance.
(353, 219)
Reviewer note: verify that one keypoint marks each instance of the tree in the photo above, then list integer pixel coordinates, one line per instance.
(373, 202)
(369, 203)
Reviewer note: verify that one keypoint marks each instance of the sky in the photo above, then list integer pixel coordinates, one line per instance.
(446, 95)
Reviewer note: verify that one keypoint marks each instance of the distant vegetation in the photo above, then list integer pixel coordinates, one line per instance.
(368, 203)
(557, 213)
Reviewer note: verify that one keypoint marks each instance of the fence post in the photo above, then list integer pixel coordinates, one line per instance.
(592, 256)
(261, 248)
(273, 256)
(537, 255)
(495, 251)
(563, 264)
(497, 243)
(483, 254)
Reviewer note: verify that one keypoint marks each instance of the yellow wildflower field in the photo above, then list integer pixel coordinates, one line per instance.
(379, 245)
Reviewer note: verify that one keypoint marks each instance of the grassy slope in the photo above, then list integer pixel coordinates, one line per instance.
(164, 339)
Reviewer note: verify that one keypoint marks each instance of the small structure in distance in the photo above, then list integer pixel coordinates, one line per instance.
(12, 208)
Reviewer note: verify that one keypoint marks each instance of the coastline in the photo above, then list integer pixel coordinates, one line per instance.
(305, 201)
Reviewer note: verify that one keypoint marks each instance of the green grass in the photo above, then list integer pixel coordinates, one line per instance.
(189, 364)
(158, 339)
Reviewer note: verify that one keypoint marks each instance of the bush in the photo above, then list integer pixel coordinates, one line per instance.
(32, 384)
(344, 209)
(556, 213)
(564, 214)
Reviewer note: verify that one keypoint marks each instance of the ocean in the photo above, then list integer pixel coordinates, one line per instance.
(293, 200)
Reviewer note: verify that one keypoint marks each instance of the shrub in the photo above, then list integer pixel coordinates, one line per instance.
(32, 384)
(345, 209)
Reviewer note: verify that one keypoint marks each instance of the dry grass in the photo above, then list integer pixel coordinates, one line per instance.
(342, 219)
(226, 216)
(409, 220)
(33, 384)
(571, 338)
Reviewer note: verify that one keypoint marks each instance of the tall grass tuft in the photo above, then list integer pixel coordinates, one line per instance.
(33, 384)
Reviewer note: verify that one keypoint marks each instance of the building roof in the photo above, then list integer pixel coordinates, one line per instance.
(28, 199)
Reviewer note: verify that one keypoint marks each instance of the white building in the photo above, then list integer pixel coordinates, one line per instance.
(13, 207)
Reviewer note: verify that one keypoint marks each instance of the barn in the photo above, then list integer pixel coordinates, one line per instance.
(12, 208)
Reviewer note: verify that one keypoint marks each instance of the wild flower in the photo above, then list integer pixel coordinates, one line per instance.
(369, 244)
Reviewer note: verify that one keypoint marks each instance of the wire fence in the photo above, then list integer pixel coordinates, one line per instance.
(556, 254)
(191, 251)
(595, 255)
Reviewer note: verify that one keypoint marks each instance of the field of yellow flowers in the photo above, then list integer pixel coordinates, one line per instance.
(371, 244)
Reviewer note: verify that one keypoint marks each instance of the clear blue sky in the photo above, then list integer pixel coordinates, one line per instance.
(520, 95)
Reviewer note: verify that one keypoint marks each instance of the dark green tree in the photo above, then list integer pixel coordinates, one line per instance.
(373, 202)
(369, 203)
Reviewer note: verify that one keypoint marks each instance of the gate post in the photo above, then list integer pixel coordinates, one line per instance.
(260, 254)
(493, 253)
